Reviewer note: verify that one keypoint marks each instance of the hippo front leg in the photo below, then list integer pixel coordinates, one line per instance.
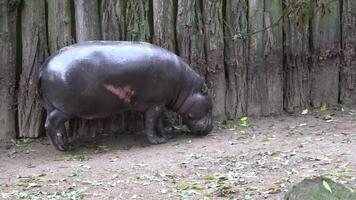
(152, 117)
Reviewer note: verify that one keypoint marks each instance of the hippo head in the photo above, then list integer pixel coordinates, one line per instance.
(197, 115)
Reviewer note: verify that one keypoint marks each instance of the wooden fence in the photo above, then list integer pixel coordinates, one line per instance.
(259, 57)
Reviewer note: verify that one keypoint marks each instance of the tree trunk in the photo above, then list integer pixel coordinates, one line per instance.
(214, 48)
(190, 34)
(138, 28)
(164, 24)
(87, 20)
(59, 24)
(297, 55)
(273, 40)
(326, 48)
(110, 26)
(265, 71)
(236, 58)
(8, 15)
(138, 20)
(34, 53)
(348, 67)
(87, 28)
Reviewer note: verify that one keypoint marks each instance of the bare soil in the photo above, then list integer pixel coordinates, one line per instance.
(259, 162)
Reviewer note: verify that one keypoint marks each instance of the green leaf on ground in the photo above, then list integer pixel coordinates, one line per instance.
(327, 186)
(324, 108)
(305, 111)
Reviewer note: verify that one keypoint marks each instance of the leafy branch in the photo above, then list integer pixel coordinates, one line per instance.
(302, 8)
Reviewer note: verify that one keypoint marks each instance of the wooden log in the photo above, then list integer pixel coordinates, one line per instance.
(265, 71)
(138, 20)
(60, 33)
(164, 24)
(34, 53)
(138, 28)
(214, 48)
(164, 20)
(8, 20)
(190, 34)
(326, 58)
(87, 20)
(60, 26)
(87, 25)
(297, 54)
(348, 63)
(236, 58)
(111, 28)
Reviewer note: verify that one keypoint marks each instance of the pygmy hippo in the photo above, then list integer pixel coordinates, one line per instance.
(101, 78)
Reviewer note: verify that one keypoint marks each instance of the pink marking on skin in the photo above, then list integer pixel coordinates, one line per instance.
(124, 93)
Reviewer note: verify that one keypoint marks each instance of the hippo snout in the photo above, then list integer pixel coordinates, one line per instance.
(201, 127)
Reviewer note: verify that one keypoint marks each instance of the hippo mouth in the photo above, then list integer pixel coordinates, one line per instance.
(201, 127)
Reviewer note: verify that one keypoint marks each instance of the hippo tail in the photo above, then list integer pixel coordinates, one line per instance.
(39, 77)
(39, 92)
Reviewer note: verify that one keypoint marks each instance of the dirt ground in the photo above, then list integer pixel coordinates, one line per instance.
(261, 161)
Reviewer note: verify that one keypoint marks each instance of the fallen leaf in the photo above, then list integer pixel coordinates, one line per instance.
(327, 186)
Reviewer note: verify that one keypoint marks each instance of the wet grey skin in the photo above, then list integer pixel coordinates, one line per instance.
(98, 79)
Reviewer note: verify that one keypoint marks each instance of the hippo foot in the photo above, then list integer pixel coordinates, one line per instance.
(168, 135)
(154, 139)
(64, 147)
(61, 143)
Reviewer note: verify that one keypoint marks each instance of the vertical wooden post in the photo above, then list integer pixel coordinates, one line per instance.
(348, 67)
(265, 71)
(87, 26)
(8, 15)
(214, 47)
(34, 53)
(110, 26)
(273, 52)
(236, 57)
(60, 33)
(137, 20)
(87, 20)
(138, 28)
(164, 24)
(326, 48)
(190, 35)
(297, 54)
(257, 88)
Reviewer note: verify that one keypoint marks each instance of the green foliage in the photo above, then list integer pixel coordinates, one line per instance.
(244, 122)
(228, 124)
(78, 157)
(302, 9)
(324, 108)
(231, 124)
(22, 142)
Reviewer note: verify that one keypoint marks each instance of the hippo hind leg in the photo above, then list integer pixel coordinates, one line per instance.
(56, 129)
(55, 126)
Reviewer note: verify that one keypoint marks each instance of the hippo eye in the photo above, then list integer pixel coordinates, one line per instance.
(190, 115)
